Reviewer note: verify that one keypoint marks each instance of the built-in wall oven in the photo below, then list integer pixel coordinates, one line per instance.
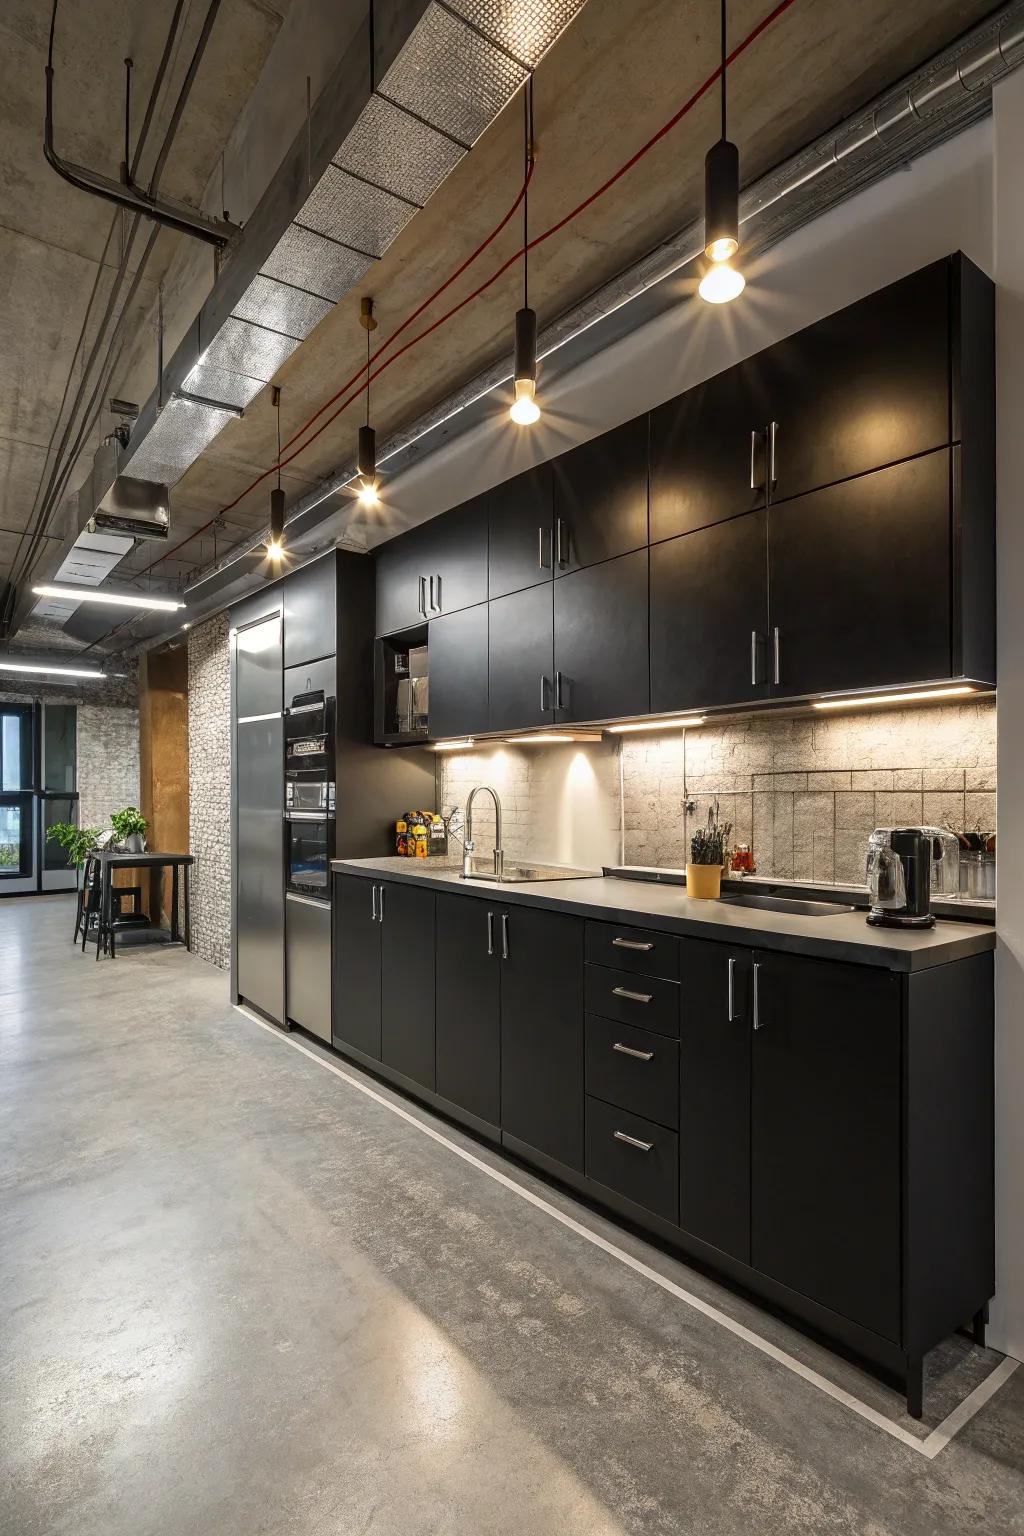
(309, 791)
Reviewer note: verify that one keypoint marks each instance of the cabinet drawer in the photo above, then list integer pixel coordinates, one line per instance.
(633, 949)
(634, 1069)
(644, 1168)
(645, 1001)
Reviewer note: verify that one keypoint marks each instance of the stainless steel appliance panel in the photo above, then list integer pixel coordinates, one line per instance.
(260, 864)
(258, 668)
(308, 925)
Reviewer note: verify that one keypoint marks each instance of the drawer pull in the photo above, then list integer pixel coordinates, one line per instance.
(632, 944)
(634, 997)
(633, 1141)
(627, 1050)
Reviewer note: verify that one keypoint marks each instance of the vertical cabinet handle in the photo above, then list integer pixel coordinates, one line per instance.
(732, 990)
(559, 704)
(754, 679)
(542, 564)
(504, 935)
(773, 428)
(438, 607)
(543, 694)
(755, 438)
(776, 672)
(560, 531)
(381, 905)
(422, 604)
(757, 995)
(373, 903)
(490, 933)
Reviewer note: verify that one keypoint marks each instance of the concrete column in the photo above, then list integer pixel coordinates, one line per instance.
(1008, 1311)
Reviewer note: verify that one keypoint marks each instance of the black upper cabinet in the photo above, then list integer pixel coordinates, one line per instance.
(860, 580)
(825, 1135)
(865, 387)
(601, 641)
(310, 600)
(709, 616)
(708, 452)
(436, 568)
(520, 674)
(542, 1032)
(714, 1118)
(600, 498)
(406, 926)
(520, 533)
(356, 949)
(458, 672)
(468, 992)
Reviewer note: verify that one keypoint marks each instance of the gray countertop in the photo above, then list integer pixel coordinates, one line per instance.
(841, 936)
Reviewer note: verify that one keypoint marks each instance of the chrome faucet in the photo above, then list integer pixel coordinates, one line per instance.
(469, 845)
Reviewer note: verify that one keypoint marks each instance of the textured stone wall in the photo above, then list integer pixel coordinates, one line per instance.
(209, 767)
(806, 791)
(108, 762)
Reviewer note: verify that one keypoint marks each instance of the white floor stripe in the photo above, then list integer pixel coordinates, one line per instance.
(928, 1447)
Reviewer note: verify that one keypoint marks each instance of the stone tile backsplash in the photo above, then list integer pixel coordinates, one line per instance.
(806, 791)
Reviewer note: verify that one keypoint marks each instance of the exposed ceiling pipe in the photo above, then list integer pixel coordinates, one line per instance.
(127, 193)
(937, 101)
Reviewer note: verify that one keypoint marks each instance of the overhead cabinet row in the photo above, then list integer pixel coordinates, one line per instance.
(818, 518)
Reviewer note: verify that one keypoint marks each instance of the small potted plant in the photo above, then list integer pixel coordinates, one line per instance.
(707, 855)
(76, 841)
(130, 829)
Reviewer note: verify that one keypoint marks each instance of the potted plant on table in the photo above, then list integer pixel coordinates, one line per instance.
(130, 829)
(707, 856)
(76, 841)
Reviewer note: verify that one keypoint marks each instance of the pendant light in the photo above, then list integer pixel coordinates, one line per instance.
(275, 544)
(721, 282)
(366, 460)
(525, 409)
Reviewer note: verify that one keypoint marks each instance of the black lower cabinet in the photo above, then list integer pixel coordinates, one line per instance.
(468, 1006)
(356, 960)
(714, 1087)
(406, 926)
(637, 1158)
(542, 1032)
(825, 1135)
(458, 672)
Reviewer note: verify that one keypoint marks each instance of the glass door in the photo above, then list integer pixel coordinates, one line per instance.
(17, 802)
(58, 800)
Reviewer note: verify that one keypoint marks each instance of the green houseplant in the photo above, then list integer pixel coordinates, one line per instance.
(707, 856)
(130, 828)
(76, 841)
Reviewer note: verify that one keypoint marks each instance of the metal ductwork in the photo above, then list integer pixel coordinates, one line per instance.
(121, 503)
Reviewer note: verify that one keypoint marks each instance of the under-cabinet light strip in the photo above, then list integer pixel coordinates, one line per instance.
(874, 700)
(677, 723)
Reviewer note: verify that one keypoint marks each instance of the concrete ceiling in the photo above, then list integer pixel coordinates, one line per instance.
(606, 86)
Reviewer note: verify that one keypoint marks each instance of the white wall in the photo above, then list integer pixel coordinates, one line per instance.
(943, 202)
(1008, 1313)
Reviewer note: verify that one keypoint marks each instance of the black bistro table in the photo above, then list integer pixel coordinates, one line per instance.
(106, 927)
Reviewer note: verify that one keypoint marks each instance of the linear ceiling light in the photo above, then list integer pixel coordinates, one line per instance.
(678, 723)
(44, 666)
(453, 746)
(116, 599)
(544, 738)
(915, 696)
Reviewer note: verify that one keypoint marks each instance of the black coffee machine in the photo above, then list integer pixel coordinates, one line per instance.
(899, 874)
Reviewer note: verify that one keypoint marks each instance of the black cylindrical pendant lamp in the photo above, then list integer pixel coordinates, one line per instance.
(276, 515)
(525, 408)
(722, 201)
(367, 457)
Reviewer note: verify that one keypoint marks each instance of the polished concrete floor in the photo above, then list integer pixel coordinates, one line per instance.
(239, 1295)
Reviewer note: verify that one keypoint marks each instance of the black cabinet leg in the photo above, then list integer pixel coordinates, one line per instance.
(915, 1388)
(978, 1322)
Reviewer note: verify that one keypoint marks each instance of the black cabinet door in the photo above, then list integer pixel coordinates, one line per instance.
(519, 521)
(600, 497)
(714, 1113)
(401, 571)
(519, 663)
(356, 991)
(864, 387)
(708, 452)
(542, 1032)
(709, 616)
(860, 580)
(458, 672)
(455, 554)
(601, 641)
(406, 924)
(825, 1135)
(310, 600)
(468, 1001)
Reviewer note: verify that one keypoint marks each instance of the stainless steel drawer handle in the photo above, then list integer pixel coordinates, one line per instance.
(632, 944)
(758, 1021)
(634, 997)
(504, 935)
(627, 1050)
(634, 1141)
(490, 933)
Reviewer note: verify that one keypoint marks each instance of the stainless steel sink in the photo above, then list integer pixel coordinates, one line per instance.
(521, 874)
(795, 904)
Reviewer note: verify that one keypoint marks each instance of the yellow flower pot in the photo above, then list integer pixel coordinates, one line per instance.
(704, 881)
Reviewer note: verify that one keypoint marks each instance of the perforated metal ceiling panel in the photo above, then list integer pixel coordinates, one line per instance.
(398, 152)
(243, 348)
(179, 435)
(280, 307)
(317, 264)
(218, 384)
(526, 28)
(355, 212)
(453, 77)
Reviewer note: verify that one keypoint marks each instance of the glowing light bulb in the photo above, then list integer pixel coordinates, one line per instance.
(721, 283)
(367, 493)
(525, 409)
(721, 250)
(275, 549)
